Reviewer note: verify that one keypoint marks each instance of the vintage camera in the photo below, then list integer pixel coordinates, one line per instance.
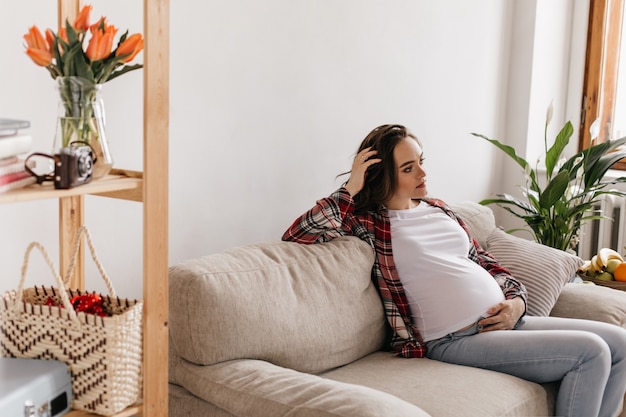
(73, 166)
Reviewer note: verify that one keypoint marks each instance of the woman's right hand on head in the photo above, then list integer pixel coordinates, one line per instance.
(362, 161)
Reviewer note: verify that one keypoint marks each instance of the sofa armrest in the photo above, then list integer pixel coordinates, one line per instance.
(247, 387)
(591, 302)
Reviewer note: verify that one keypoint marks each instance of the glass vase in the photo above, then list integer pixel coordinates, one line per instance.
(81, 119)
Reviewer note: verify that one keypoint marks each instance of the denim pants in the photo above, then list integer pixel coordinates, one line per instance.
(588, 357)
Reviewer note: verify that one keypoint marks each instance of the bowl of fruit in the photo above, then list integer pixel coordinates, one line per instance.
(606, 268)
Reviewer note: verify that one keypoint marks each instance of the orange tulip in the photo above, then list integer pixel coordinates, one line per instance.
(63, 34)
(131, 45)
(101, 24)
(40, 57)
(81, 23)
(34, 39)
(101, 42)
(50, 37)
(90, 51)
(37, 48)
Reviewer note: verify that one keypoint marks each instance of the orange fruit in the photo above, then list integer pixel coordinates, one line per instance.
(620, 272)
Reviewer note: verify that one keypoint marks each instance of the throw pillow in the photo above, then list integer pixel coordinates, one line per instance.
(543, 270)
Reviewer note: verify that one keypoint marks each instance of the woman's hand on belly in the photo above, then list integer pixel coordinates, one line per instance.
(504, 315)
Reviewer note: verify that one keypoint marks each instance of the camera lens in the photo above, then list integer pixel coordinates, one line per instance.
(84, 166)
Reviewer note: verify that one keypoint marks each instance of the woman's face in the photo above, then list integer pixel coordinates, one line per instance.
(411, 177)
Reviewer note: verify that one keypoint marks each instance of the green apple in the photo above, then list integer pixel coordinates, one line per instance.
(605, 276)
(611, 264)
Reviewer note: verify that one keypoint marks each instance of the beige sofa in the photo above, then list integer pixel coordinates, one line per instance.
(282, 329)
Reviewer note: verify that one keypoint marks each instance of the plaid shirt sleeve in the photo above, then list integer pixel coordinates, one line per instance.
(331, 217)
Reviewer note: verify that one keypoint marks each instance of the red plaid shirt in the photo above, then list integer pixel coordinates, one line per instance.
(334, 216)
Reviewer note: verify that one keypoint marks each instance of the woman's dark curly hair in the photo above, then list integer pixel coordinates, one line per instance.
(380, 178)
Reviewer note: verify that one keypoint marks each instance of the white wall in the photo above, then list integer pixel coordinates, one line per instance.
(547, 65)
(269, 101)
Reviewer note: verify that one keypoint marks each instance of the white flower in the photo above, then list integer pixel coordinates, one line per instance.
(581, 169)
(549, 113)
(573, 190)
(594, 130)
(527, 171)
(580, 173)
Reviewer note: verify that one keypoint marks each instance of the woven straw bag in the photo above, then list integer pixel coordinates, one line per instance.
(104, 354)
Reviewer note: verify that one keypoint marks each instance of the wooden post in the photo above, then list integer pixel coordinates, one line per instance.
(70, 208)
(71, 217)
(155, 200)
(68, 10)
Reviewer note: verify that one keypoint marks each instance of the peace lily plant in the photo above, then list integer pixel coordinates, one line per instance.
(556, 207)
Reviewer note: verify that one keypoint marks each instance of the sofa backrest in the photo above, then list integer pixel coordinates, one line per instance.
(306, 307)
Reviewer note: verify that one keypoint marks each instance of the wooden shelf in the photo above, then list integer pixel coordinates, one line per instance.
(149, 187)
(121, 184)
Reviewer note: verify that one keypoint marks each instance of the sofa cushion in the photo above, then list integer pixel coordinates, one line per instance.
(182, 403)
(245, 388)
(591, 302)
(306, 307)
(543, 270)
(444, 390)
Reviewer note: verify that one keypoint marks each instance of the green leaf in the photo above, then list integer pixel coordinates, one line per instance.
(75, 62)
(58, 43)
(510, 151)
(124, 70)
(121, 41)
(554, 190)
(554, 153)
(72, 35)
(507, 199)
(602, 165)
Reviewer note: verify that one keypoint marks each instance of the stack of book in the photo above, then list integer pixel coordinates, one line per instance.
(14, 144)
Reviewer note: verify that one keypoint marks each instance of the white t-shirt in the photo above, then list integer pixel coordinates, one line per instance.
(445, 289)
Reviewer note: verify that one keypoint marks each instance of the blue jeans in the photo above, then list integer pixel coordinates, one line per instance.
(588, 357)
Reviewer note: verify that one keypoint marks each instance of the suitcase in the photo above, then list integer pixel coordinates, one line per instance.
(34, 388)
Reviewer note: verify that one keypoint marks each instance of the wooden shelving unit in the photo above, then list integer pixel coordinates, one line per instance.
(127, 185)
(149, 187)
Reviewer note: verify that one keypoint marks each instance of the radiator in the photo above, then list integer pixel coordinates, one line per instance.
(604, 233)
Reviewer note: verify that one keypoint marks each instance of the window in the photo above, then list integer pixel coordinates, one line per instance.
(604, 89)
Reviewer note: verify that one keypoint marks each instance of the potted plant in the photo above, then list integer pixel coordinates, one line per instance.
(555, 208)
